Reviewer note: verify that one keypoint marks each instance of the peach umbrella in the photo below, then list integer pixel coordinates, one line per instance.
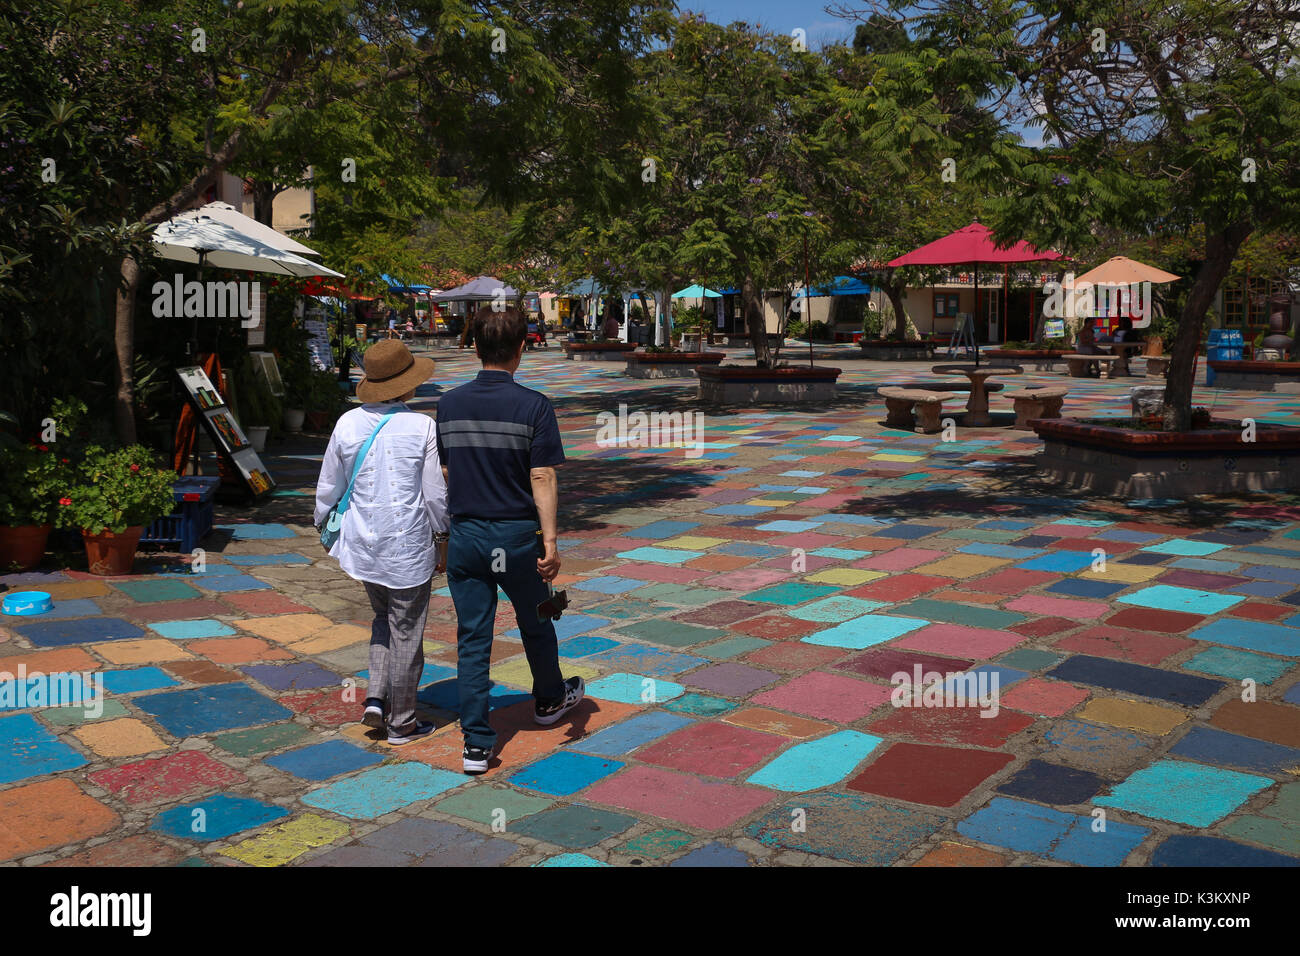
(1121, 270)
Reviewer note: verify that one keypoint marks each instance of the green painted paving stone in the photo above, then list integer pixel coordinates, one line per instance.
(1286, 803)
(951, 613)
(732, 647)
(1029, 659)
(1225, 662)
(67, 716)
(1184, 792)
(983, 534)
(671, 633)
(575, 827)
(694, 597)
(571, 859)
(790, 593)
(656, 844)
(1185, 547)
(260, 740)
(660, 593)
(152, 592)
(841, 554)
(488, 805)
(1277, 834)
(846, 827)
(625, 609)
(700, 705)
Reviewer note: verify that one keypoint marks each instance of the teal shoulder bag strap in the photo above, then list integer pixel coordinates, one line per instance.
(333, 523)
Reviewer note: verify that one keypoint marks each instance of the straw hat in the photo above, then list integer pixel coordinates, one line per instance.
(391, 372)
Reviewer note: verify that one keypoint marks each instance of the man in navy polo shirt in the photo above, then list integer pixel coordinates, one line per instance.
(499, 444)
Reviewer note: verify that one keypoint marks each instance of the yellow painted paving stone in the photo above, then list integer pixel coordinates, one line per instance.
(147, 650)
(893, 456)
(961, 566)
(849, 577)
(286, 628)
(331, 639)
(288, 841)
(1132, 715)
(692, 543)
(124, 737)
(768, 503)
(70, 590)
(516, 673)
(1124, 573)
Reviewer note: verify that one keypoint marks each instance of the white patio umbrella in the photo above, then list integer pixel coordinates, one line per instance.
(224, 212)
(196, 237)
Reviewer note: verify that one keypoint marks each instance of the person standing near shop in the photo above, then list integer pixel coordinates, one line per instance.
(499, 443)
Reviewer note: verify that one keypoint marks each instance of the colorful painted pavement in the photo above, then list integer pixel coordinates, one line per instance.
(738, 617)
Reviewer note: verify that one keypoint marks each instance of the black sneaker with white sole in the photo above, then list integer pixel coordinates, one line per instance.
(374, 714)
(549, 711)
(475, 759)
(417, 730)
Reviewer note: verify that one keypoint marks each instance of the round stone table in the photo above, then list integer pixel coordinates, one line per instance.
(977, 406)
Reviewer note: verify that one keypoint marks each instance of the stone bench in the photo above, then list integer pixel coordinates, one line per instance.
(1082, 366)
(946, 386)
(899, 403)
(1041, 402)
(1158, 365)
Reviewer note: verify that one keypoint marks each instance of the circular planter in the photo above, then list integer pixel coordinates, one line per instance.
(23, 545)
(740, 384)
(669, 364)
(293, 419)
(598, 351)
(108, 553)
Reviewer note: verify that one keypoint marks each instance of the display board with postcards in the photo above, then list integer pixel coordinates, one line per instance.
(231, 442)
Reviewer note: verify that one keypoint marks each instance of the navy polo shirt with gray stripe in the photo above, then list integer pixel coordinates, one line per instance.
(491, 432)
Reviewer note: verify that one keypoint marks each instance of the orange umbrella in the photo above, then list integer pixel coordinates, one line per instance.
(1121, 270)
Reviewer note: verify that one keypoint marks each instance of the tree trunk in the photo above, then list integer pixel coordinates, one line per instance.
(263, 201)
(1220, 249)
(124, 346)
(752, 309)
(894, 291)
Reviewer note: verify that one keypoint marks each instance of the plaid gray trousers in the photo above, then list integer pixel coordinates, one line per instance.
(397, 648)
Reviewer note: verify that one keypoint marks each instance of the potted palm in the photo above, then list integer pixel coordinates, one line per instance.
(34, 479)
(114, 495)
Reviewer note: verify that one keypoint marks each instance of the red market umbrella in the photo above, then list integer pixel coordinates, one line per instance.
(973, 245)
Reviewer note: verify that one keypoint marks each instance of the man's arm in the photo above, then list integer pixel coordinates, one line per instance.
(546, 496)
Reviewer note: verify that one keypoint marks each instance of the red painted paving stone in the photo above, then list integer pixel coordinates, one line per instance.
(723, 612)
(777, 627)
(793, 656)
(1058, 607)
(1148, 619)
(138, 850)
(178, 610)
(977, 643)
(173, 777)
(1041, 695)
(1124, 644)
(884, 662)
(324, 706)
(1015, 580)
(711, 748)
(683, 799)
(1255, 611)
(49, 814)
(899, 587)
(1200, 580)
(828, 696)
(265, 603)
(951, 725)
(1044, 626)
(935, 776)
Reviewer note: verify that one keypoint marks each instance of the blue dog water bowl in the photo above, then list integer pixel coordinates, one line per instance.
(23, 603)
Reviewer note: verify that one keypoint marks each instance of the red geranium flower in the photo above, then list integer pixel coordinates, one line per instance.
(43, 447)
(135, 467)
(65, 501)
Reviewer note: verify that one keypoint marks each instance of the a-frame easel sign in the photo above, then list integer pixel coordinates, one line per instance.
(963, 338)
(236, 451)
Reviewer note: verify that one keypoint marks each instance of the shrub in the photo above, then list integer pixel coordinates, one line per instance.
(819, 332)
(795, 328)
(34, 479)
(115, 490)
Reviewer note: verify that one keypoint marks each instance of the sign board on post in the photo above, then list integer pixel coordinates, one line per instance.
(231, 442)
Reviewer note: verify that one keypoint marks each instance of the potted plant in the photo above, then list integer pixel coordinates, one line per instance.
(113, 496)
(34, 478)
(324, 401)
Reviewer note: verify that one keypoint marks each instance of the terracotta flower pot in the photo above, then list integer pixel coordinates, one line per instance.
(23, 545)
(108, 553)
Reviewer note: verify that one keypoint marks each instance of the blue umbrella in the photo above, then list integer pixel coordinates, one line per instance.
(696, 292)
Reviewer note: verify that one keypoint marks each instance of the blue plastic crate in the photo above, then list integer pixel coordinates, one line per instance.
(191, 518)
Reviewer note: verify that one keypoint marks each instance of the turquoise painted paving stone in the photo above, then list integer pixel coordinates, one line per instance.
(634, 689)
(790, 593)
(571, 625)
(1054, 834)
(1183, 792)
(231, 582)
(658, 555)
(575, 827)
(816, 763)
(140, 678)
(865, 631)
(219, 816)
(186, 630)
(951, 613)
(257, 560)
(382, 790)
(257, 532)
(662, 529)
(608, 584)
(846, 827)
(1165, 597)
(1062, 562)
(27, 749)
(789, 527)
(833, 610)
(584, 645)
(1251, 635)
(38, 690)
(672, 633)
(840, 554)
(1241, 665)
(1185, 547)
(700, 705)
(1084, 522)
(630, 734)
(564, 773)
(571, 859)
(656, 843)
(733, 647)
(151, 592)
(82, 630)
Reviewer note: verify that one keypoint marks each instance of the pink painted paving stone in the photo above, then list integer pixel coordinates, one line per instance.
(682, 799)
(749, 579)
(1139, 647)
(899, 559)
(977, 643)
(711, 748)
(828, 696)
(173, 777)
(883, 663)
(1041, 695)
(1059, 607)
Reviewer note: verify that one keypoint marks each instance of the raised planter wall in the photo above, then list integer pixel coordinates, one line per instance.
(598, 351)
(1253, 376)
(744, 385)
(887, 351)
(1136, 464)
(669, 364)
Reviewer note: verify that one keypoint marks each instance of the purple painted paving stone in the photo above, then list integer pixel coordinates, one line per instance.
(302, 675)
(730, 680)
